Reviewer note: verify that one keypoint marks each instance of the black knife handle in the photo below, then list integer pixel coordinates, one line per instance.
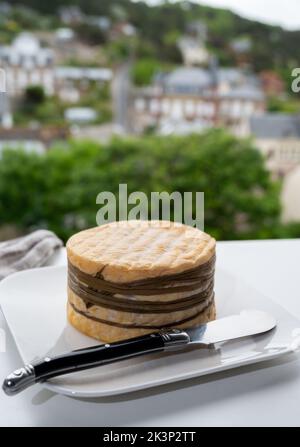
(91, 357)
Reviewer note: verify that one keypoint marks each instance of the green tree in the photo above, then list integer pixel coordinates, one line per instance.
(22, 200)
(273, 46)
(58, 189)
(287, 105)
(143, 71)
(91, 34)
(35, 95)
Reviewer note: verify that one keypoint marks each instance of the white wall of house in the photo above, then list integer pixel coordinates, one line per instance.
(231, 112)
(290, 196)
(281, 155)
(26, 63)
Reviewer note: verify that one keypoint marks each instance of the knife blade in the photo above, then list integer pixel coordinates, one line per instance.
(249, 322)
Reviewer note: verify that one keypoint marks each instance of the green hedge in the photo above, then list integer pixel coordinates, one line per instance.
(58, 190)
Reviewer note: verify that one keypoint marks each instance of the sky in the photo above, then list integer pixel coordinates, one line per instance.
(279, 12)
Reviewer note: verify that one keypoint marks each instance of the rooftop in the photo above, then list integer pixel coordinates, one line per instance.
(47, 135)
(189, 76)
(26, 43)
(245, 92)
(275, 125)
(233, 81)
(188, 80)
(80, 114)
(96, 74)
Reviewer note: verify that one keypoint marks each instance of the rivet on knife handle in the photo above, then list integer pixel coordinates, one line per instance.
(174, 339)
(19, 380)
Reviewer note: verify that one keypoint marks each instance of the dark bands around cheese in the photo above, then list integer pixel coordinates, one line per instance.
(136, 306)
(188, 280)
(95, 290)
(138, 326)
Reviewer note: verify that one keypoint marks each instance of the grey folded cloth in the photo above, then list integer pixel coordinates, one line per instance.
(27, 252)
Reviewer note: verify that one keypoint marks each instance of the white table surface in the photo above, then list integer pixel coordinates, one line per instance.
(264, 395)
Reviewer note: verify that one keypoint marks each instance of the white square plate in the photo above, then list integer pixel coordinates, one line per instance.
(34, 305)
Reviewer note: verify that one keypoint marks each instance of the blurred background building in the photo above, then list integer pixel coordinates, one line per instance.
(191, 96)
(27, 63)
(90, 72)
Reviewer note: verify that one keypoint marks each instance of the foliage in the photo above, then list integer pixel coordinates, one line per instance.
(98, 97)
(119, 50)
(21, 17)
(143, 71)
(144, 49)
(91, 34)
(49, 110)
(290, 230)
(75, 62)
(29, 18)
(287, 105)
(272, 46)
(35, 94)
(58, 189)
(8, 30)
(35, 106)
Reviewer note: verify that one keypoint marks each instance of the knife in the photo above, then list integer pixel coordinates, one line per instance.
(248, 322)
